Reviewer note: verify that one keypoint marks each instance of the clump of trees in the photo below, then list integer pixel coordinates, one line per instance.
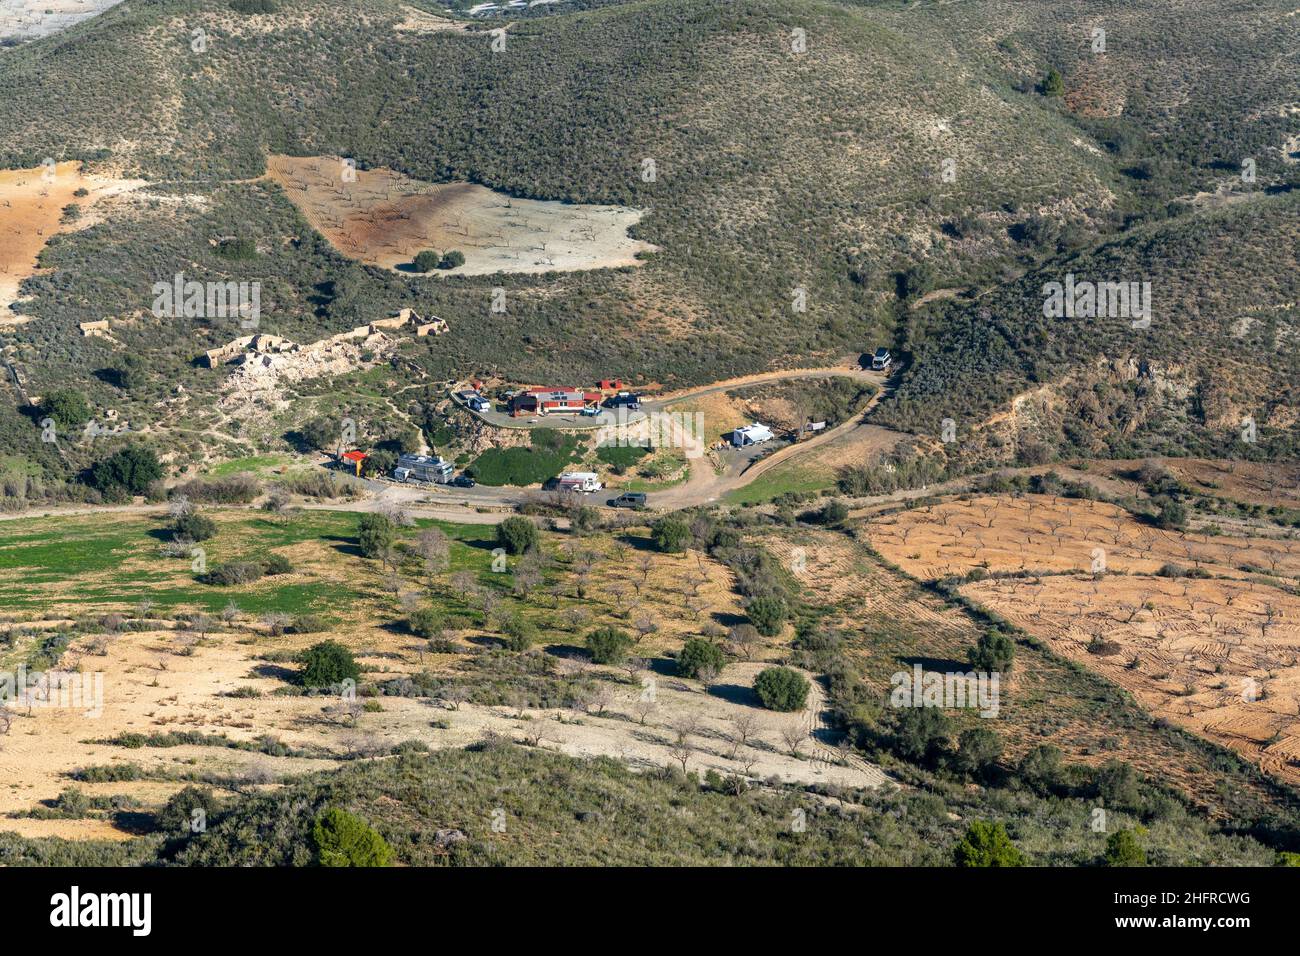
(129, 471)
(671, 534)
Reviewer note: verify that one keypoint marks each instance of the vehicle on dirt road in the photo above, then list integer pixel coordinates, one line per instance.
(628, 499)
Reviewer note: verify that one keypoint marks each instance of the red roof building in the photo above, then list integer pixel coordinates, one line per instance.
(543, 401)
(353, 458)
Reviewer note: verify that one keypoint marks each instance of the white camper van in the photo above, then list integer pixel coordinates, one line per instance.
(584, 481)
(423, 468)
(754, 434)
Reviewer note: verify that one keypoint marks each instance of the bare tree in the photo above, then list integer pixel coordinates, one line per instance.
(454, 695)
(681, 752)
(708, 676)
(746, 639)
(634, 665)
(793, 736)
(743, 727)
(464, 583)
(433, 546)
(644, 709)
(645, 626)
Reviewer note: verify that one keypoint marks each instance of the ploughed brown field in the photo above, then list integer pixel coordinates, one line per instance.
(383, 218)
(1218, 655)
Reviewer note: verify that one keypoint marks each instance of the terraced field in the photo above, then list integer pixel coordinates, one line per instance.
(1203, 630)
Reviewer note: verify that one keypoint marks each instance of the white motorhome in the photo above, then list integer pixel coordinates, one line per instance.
(423, 468)
(585, 481)
(754, 434)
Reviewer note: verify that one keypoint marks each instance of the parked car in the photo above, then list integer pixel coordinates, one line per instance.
(628, 499)
(463, 481)
(881, 360)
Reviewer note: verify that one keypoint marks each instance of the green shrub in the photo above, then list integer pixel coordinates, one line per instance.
(375, 534)
(517, 535)
(67, 407)
(237, 250)
(978, 749)
(234, 572)
(327, 664)
(621, 456)
(520, 633)
(177, 814)
(131, 470)
(451, 260)
(1123, 849)
(196, 527)
(987, 844)
(698, 653)
(425, 261)
(921, 733)
(671, 534)
(307, 624)
(780, 688)
(276, 564)
(768, 614)
(426, 622)
(343, 839)
(993, 653)
(608, 645)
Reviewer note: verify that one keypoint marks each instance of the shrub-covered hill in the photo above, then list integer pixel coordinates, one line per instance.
(1220, 349)
(825, 171)
(772, 170)
(553, 810)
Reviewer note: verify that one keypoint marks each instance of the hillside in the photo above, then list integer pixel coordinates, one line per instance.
(555, 811)
(1220, 349)
(906, 148)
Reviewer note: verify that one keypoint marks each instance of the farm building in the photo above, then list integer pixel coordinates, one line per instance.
(352, 461)
(754, 434)
(544, 401)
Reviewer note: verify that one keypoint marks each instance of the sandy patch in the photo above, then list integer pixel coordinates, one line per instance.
(32, 202)
(417, 21)
(384, 218)
(30, 19)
